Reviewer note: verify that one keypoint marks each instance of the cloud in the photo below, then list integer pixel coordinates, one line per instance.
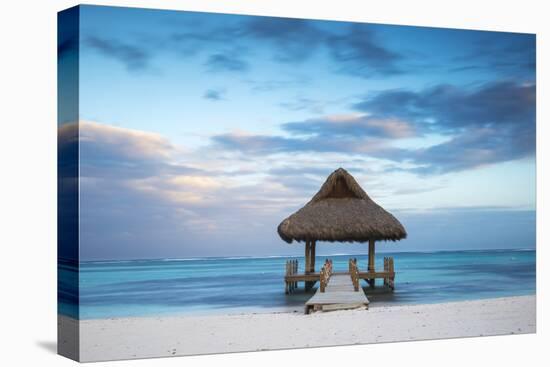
(261, 144)
(108, 140)
(119, 153)
(137, 188)
(188, 190)
(201, 38)
(352, 134)
(448, 108)
(226, 62)
(352, 126)
(489, 124)
(474, 148)
(505, 53)
(67, 46)
(353, 49)
(272, 144)
(141, 200)
(214, 94)
(229, 43)
(492, 123)
(358, 52)
(286, 37)
(133, 57)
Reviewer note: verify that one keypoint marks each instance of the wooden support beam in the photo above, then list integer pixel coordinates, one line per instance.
(392, 279)
(307, 257)
(371, 255)
(295, 284)
(287, 272)
(371, 261)
(312, 262)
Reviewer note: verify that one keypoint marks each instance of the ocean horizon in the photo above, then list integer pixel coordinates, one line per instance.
(291, 256)
(254, 284)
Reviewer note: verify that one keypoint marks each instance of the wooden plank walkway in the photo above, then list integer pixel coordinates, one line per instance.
(338, 295)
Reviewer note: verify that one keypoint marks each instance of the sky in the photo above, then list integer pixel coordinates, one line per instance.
(201, 132)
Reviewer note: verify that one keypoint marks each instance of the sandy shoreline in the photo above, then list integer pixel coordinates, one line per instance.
(125, 338)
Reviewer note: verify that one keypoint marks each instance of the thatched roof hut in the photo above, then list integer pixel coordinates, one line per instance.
(341, 211)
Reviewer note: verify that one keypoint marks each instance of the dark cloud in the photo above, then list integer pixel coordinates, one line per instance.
(191, 42)
(133, 57)
(493, 123)
(273, 144)
(226, 62)
(490, 124)
(447, 108)
(68, 32)
(510, 53)
(353, 48)
(291, 40)
(358, 52)
(356, 49)
(214, 95)
(66, 47)
(475, 148)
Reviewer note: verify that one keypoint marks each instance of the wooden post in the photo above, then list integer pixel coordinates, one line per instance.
(371, 261)
(371, 255)
(307, 256)
(322, 281)
(290, 273)
(386, 278)
(392, 269)
(312, 261)
(295, 284)
(287, 288)
(354, 274)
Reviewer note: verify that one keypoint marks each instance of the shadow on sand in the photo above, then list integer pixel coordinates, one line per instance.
(48, 345)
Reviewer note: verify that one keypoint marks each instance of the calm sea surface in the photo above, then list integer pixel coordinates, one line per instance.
(231, 285)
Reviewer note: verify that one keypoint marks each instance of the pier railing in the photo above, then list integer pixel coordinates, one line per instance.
(326, 272)
(292, 276)
(291, 269)
(389, 281)
(354, 273)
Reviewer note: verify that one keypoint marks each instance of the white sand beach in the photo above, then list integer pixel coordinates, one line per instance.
(125, 338)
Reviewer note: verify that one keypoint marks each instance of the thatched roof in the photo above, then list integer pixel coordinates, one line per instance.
(341, 211)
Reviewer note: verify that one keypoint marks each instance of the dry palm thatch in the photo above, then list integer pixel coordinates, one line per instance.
(341, 211)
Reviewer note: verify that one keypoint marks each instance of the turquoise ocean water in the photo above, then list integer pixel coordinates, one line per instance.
(111, 289)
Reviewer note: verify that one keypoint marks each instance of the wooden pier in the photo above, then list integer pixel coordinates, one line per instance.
(293, 276)
(339, 294)
(338, 291)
